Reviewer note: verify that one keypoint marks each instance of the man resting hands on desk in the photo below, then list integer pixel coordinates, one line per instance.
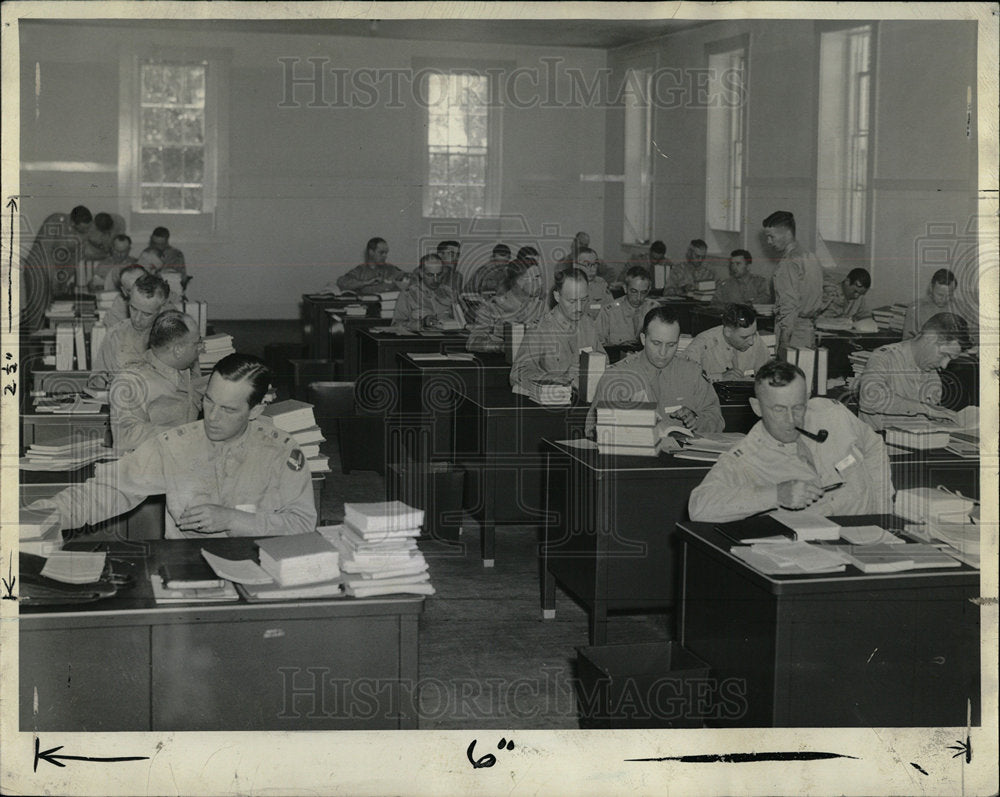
(777, 465)
(229, 474)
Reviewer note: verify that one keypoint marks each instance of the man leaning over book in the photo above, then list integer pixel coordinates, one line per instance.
(230, 473)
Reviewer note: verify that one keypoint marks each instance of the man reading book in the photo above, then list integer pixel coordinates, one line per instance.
(778, 466)
(678, 387)
(229, 474)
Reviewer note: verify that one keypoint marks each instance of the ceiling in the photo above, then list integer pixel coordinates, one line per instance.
(600, 33)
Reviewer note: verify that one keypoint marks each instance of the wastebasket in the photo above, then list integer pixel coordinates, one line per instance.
(643, 685)
(435, 487)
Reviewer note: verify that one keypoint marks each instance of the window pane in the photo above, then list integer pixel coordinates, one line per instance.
(173, 165)
(152, 165)
(477, 168)
(152, 84)
(192, 199)
(477, 130)
(152, 126)
(438, 169)
(151, 198)
(194, 86)
(437, 132)
(173, 84)
(194, 164)
(172, 199)
(173, 131)
(459, 168)
(191, 125)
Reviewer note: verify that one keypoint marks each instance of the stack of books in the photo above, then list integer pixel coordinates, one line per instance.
(703, 290)
(791, 558)
(39, 532)
(388, 303)
(709, 447)
(199, 312)
(629, 429)
(964, 443)
(105, 300)
(216, 347)
(895, 557)
(931, 505)
(546, 393)
(920, 434)
(835, 324)
(962, 539)
(61, 310)
(858, 360)
(298, 419)
(191, 582)
(299, 559)
(763, 310)
(66, 453)
(683, 342)
(378, 549)
(890, 317)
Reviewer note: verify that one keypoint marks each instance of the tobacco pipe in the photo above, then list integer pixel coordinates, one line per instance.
(819, 437)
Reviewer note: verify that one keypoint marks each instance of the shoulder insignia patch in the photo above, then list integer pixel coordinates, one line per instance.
(296, 460)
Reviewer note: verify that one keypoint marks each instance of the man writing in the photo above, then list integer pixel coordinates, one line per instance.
(742, 287)
(126, 342)
(683, 276)
(160, 393)
(901, 379)
(731, 351)
(228, 474)
(778, 466)
(677, 386)
(845, 297)
(798, 284)
(160, 255)
(427, 300)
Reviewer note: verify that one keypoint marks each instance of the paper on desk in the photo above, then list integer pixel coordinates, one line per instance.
(580, 442)
(242, 571)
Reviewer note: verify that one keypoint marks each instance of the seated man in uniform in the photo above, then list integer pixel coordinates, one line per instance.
(742, 287)
(620, 320)
(599, 294)
(107, 270)
(127, 278)
(490, 277)
(160, 393)
(375, 275)
(229, 474)
(428, 300)
(901, 379)
(520, 302)
(731, 351)
(778, 466)
(125, 344)
(677, 386)
(104, 230)
(845, 297)
(940, 299)
(551, 351)
(448, 252)
(684, 275)
(160, 255)
(580, 241)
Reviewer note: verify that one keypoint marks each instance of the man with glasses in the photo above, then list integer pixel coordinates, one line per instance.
(731, 351)
(161, 392)
(620, 320)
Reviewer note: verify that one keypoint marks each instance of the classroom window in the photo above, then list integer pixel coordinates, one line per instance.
(638, 137)
(462, 146)
(726, 122)
(844, 133)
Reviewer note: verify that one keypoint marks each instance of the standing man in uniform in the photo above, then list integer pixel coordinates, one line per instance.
(161, 392)
(731, 351)
(777, 466)
(798, 284)
(125, 344)
(551, 351)
(677, 386)
(228, 474)
(620, 320)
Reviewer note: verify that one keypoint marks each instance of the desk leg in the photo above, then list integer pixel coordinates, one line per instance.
(487, 541)
(409, 673)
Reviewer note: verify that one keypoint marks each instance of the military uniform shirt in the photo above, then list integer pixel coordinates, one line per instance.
(798, 290)
(836, 304)
(486, 332)
(552, 350)
(891, 373)
(681, 382)
(744, 480)
(600, 295)
(684, 273)
(123, 347)
(922, 310)
(386, 275)
(620, 322)
(715, 356)
(417, 301)
(749, 289)
(262, 468)
(148, 399)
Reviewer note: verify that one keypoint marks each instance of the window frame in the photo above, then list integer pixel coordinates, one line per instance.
(637, 166)
(213, 217)
(491, 70)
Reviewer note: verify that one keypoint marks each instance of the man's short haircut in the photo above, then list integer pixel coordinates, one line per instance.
(160, 232)
(638, 272)
(515, 268)
(445, 244)
(527, 251)
(777, 373)
(149, 285)
(80, 215)
(239, 367)
(135, 267)
(372, 243)
(427, 258)
(574, 273)
(948, 327)
(501, 249)
(104, 222)
(584, 250)
(697, 243)
(665, 314)
(742, 253)
(738, 315)
(781, 218)
(169, 327)
(944, 276)
(859, 276)
(122, 237)
(657, 248)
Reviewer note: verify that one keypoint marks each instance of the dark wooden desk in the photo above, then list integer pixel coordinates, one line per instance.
(344, 341)
(314, 316)
(960, 382)
(498, 439)
(378, 351)
(833, 650)
(126, 664)
(430, 390)
(608, 537)
(684, 308)
(935, 467)
(706, 316)
(43, 427)
(841, 343)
